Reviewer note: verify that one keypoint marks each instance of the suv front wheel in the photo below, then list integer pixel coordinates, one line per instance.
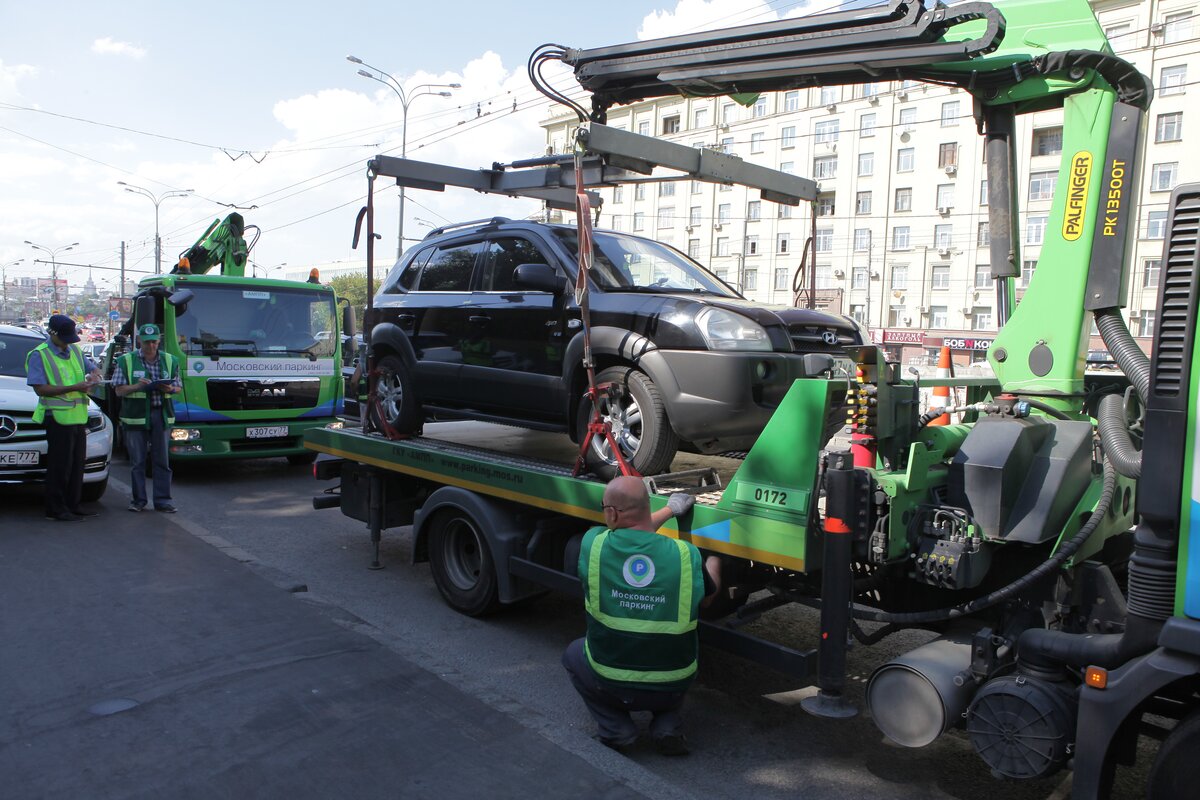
(639, 425)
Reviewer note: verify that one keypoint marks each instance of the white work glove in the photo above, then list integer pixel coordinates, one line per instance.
(680, 503)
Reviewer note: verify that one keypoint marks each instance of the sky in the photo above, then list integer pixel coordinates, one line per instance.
(254, 104)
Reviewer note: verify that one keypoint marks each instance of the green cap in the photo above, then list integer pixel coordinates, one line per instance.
(148, 332)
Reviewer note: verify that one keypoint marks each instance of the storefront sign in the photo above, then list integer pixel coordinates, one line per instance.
(962, 343)
(904, 337)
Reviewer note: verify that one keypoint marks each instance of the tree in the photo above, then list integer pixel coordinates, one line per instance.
(353, 287)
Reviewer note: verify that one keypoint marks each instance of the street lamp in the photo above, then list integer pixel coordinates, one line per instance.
(426, 89)
(4, 281)
(53, 253)
(157, 200)
(268, 270)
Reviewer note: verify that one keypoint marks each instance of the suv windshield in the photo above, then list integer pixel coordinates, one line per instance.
(13, 350)
(237, 320)
(633, 263)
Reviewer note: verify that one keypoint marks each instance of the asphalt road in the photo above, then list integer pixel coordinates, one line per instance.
(749, 736)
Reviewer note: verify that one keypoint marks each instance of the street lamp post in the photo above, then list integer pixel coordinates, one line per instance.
(157, 200)
(53, 253)
(426, 89)
(266, 271)
(4, 282)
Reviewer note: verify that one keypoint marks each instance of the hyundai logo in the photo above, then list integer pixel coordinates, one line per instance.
(8, 427)
(829, 337)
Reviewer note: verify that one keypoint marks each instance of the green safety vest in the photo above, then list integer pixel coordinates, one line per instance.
(642, 594)
(70, 408)
(135, 406)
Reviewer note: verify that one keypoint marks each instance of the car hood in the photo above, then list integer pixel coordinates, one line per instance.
(770, 314)
(17, 395)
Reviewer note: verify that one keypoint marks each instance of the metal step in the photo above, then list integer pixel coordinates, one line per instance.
(691, 481)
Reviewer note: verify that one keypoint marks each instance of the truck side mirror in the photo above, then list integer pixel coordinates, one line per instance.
(348, 321)
(539, 277)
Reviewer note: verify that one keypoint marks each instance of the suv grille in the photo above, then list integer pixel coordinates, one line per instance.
(27, 429)
(811, 338)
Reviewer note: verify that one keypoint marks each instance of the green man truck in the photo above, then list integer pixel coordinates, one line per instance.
(260, 359)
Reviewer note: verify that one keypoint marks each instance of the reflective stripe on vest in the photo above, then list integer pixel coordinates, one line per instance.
(683, 613)
(70, 408)
(136, 406)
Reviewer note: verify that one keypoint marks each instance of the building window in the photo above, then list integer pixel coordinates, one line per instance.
(760, 106)
(824, 276)
(945, 195)
(753, 210)
(866, 164)
(1156, 225)
(751, 248)
(984, 237)
(830, 95)
(616, 222)
(947, 155)
(983, 192)
(943, 236)
(697, 187)
(904, 159)
(1119, 37)
(781, 279)
(639, 221)
(784, 211)
(862, 203)
(859, 278)
(666, 217)
(1151, 268)
(1035, 229)
(941, 277)
(644, 128)
(726, 145)
(787, 137)
(983, 276)
(756, 142)
(825, 167)
(722, 274)
(693, 249)
(859, 313)
(903, 199)
(895, 316)
(724, 187)
(727, 113)
(908, 119)
(1172, 80)
(862, 239)
(750, 280)
(1169, 127)
(791, 101)
(900, 237)
(666, 189)
(618, 194)
(950, 114)
(1177, 27)
(1041, 185)
(824, 240)
(866, 125)
(981, 319)
(826, 204)
(694, 216)
(783, 243)
(1164, 176)
(700, 118)
(670, 124)
(938, 317)
(1047, 141)
(827, 132)
(1027, 270)
(722, 245)
(723, 212)
(900, 276)
(639, 191)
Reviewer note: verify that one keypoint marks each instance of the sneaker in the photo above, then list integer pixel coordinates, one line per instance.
(65, 516)
(135, 507)
(167, 509)
(674, 744)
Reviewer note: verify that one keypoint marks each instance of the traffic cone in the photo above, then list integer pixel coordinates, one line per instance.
(941, 394)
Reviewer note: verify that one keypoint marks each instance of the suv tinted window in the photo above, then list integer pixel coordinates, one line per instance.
(502, 259)
(449, 270)
(631, 262)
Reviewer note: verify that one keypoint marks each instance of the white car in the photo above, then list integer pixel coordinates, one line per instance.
(22, 441)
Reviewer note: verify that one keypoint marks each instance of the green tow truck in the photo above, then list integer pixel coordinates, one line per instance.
(1051, 539)
(260, 359)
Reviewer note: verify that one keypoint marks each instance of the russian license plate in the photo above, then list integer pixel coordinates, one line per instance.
(19, 458)
(267, 432)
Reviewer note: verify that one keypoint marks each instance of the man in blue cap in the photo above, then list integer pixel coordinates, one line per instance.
(61, 375)
(145, 380)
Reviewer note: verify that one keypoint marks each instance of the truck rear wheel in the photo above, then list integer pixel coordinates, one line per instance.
(462, 564)
(1176, 770)
(639, 422)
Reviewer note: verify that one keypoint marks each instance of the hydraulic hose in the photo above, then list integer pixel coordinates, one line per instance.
(1040, 572)
(1046, 408)
(1114, 435)
(1124, 350)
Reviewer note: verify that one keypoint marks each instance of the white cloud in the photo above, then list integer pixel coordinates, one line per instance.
(110, 47)
(690, 16)
(9, 76)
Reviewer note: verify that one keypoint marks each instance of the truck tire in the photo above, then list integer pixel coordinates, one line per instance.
(1176, 770)
(640, 426)
(394, 394)
(462, 564)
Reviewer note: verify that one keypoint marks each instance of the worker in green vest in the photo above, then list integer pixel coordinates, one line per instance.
(61, 374)
(642, 594)
(145, 380)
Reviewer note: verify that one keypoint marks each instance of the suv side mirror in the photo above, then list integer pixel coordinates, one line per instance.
(539, 277)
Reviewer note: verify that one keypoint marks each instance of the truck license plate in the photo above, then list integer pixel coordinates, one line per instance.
(19, 458)
(267, 432)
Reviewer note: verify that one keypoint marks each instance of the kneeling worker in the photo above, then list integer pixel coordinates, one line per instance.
(642, 594)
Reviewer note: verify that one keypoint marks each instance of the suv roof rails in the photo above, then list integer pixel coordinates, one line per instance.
(483, 222)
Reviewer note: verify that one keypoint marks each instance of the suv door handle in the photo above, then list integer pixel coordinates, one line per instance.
(479, 319)
(405, 319)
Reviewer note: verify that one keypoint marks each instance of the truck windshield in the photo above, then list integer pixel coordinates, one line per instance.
(634, 263)
(237, 320)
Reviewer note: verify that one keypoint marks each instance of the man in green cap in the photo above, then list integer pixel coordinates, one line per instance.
(145, 380)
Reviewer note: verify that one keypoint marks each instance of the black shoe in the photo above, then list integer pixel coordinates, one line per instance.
(79, 512)
(622, 746)
(674, 744)
(167, 509)
(65, 516)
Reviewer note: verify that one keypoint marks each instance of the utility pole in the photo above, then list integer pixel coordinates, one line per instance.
(121, 293)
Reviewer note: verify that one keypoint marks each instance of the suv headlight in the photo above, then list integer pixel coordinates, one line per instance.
(724, 330)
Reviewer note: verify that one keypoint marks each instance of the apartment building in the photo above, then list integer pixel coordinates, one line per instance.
(901, 228)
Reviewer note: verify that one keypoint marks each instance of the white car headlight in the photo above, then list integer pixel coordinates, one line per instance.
(725, 330)
(95, 423)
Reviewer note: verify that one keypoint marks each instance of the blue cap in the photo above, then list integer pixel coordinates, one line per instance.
(63, 327)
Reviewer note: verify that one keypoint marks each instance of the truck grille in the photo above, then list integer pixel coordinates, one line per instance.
(250, 395)
(1172, 345)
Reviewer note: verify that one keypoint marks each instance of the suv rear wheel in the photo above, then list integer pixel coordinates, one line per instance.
(639, 425)
(394, 395)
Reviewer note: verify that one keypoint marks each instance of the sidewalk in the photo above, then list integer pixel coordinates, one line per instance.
(238, 689)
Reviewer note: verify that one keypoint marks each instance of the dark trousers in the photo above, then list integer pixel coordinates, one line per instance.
(610, 704)
(66, 450)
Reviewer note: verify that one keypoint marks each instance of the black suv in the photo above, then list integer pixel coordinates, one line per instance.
(479, 321)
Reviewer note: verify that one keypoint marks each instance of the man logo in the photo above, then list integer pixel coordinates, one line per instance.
(829, 337)
(8, 428)
(638, 571)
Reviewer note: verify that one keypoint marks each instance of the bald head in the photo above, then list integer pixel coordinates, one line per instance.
(627, 504)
